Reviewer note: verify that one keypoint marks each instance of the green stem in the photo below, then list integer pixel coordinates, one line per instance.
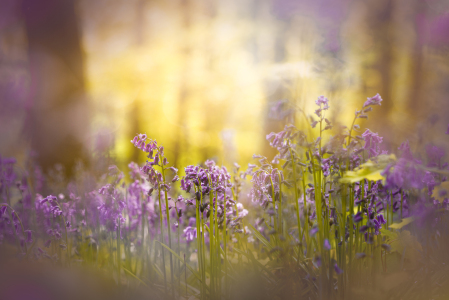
(167, 212)
(306, 215)
(118, 253)
(225, 235)
(296, 197)
(273, 197)
(162, 238)
(65, 229)
(281, 223)
(20, 222)
(198, 239)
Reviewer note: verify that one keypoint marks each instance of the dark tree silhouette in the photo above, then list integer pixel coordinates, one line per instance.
(57, 108)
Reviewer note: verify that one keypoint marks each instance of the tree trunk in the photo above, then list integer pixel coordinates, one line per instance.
(57, 120)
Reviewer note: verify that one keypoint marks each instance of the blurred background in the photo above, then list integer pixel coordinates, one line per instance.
(78, 77)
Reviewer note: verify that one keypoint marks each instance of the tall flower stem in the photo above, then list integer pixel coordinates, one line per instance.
(212, 245)
(198, 239)
(203, 243)
(296, 195)
(217, 247)
(20, 221)
(178, 245)
(225, 237)
(281, 222)
(167, 212)
(65, 230)
(273, 197)
(118, 253)
(306, 216)
(402, 201)
(162, 239)
(351, 229)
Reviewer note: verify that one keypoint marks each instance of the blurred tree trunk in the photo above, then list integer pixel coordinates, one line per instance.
(140, 39)
(416, 67)
(275, 90)
(57, 108)
(181, 142)
(383, 25)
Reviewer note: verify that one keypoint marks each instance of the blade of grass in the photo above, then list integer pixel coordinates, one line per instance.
(197, 275)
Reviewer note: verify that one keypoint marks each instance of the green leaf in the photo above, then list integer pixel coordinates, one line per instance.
(370, 170)
(410, 244)
(404, 222)
(157, 270)
(261, 237)
(442, 189)
(251, 257)
(130, 273)
(180, 259)
(189, 286)
(388, 233)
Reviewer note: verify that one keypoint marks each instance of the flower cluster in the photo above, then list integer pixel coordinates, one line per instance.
(322, 203)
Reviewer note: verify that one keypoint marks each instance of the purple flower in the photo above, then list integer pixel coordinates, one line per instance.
(327, 245)
(434, 154)
(110, 207)
(135, 172)
(405, 148)
(364, 228)
(386, 247)
(372, 141)
(337, 269)
(2, 211)
(358, 217)
(405, 173)
(378, 222)
(322, 100)
(381, 219)
(29, 238)
(326, 165)
(190, 233)
(280, 110)
(375, 100)
(242, 212)
(318, 261)
(313, 231)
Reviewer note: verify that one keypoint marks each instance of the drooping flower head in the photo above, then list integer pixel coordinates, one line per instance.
(434, 155)
(7, 173)
(375, 100)
(322, 101)
(190, 233)
(337, 269)
(111, 206)
(406, 152)
(327, 244)
(372, 141)
(155, 155)
(280, 110)
(323, 104)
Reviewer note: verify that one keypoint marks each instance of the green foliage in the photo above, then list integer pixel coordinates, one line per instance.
(403, 223)
(371, 170)
(441, 191)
